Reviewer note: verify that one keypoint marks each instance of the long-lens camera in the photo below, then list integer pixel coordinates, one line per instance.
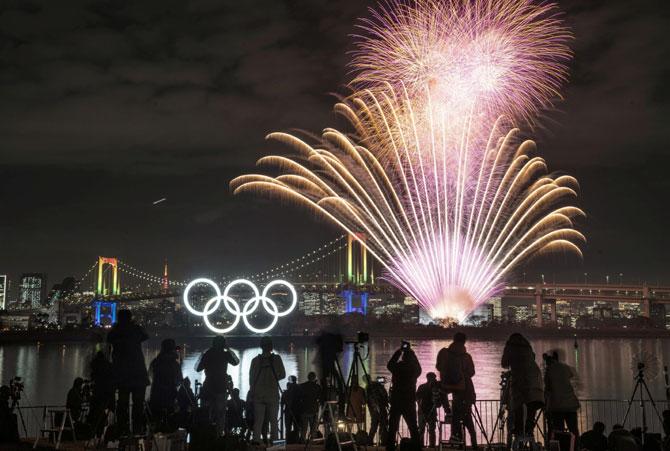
(16, 386)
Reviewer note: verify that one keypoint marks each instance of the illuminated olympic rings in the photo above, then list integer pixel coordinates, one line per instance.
(233, 307)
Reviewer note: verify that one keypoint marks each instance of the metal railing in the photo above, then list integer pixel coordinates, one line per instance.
(608, 411)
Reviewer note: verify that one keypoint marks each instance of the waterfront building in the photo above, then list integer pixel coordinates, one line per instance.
(3, 291)
(32, 290)
(310, 303)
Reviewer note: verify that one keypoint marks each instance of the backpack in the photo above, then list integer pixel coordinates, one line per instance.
(452, 375)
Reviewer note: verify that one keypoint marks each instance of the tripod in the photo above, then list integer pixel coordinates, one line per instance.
(15, 405)
(641, 385)
(354, 371)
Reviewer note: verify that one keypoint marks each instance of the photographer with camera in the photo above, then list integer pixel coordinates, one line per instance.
(330, 346)
(456, 372)
(129, 369)
(429, 399)
(216, 387)
(526, 394)
(561, 402)
(9, 428)
(378, 404)
(405, 370)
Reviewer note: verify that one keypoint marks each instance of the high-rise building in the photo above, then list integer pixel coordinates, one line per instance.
(3, 292)
(32, 290)
(310, 304)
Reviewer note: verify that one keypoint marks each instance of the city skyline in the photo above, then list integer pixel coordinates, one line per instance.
(169, 127)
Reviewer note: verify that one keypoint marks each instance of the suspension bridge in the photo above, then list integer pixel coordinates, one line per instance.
(339, 264)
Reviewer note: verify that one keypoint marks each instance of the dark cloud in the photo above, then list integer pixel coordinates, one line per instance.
(109, 105)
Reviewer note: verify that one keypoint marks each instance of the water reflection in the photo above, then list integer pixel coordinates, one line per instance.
(604, 365)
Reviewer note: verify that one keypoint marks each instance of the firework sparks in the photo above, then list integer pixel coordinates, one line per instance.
(447, 223)
(491, 57)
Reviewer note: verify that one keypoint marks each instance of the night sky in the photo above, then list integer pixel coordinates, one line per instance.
(107, 106)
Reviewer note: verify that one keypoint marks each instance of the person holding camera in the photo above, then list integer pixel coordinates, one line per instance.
(9, 427)
(129, 369)
(526, 394)
(267, 369)
(428, 398)
(457, 369)
(405, 370)
(561, 402)
(215, 389)
(378, 404)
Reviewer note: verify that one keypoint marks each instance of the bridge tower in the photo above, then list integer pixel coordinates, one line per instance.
(357, 274)
(358, 270)
(104, 287)
(165, 282)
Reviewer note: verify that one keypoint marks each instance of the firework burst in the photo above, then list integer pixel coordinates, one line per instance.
(447, 223)
(482, 57)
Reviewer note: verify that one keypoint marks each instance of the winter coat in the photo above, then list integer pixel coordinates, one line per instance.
(309, 394)
(526, 378)
(128, 365)
(264, 375)
(456, 354)
(165, 379)
(559, 394)
(404, 374)
(215, 363)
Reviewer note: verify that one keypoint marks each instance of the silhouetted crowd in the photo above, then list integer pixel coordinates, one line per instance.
(314, 409)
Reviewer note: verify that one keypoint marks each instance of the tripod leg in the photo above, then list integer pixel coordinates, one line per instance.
(480, 425)
(651, 399)
(630, 403)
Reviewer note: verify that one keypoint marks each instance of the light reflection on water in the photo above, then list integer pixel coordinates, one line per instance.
(603, 365)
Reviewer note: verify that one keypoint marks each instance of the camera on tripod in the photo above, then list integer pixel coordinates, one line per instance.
(86, 390)
(16, 386)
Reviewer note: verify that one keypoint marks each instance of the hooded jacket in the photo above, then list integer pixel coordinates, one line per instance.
(526, 378)
(128, 364)
(456, 354)
(560, 396)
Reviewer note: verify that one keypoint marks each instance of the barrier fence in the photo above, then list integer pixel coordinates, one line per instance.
(608, 411)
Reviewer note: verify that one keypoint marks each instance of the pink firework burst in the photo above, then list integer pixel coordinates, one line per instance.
(488, 57)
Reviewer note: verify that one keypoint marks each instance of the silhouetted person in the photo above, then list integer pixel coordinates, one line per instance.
(456, 372)
(378, 404)
(289, 399)
(267, 369)
(130, 372)
(428, 400)
(235, 408)
(9, 430)
(621, 440)
(310, 395)
(102, 397)
(405, 370)
(186, 403)
(561, 402)
(525, 384)
(214, 392)
(330, 346)
(166, 378)
(666, 430)
(595, 439)
(74, 399)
